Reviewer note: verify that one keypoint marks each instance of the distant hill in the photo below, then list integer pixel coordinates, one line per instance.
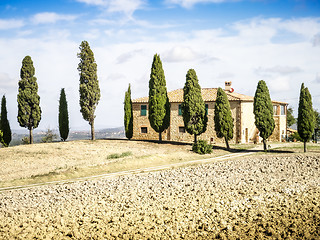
(118, 132)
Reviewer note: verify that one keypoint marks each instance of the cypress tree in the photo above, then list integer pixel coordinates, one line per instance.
(89, 85)
(263, 112)
(1, 139)
(159, 106)
(4, 123)
(305, 116)
(223, 121)
(63, 116)
(128, 115)
(193, 107)
(29, 111)
(290, 118)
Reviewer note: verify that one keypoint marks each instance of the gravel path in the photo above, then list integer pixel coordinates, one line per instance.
(265, 196)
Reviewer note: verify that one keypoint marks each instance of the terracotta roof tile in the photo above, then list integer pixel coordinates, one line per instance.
(208, 95)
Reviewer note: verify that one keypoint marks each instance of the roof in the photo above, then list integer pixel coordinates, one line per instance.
(208, 95)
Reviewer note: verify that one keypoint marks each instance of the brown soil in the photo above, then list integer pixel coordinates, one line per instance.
(264, 197)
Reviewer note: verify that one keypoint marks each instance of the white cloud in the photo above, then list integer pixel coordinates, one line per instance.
(128, 7)
(128, 56)
(94, 2)
(124, 55)
(6, 24)
(316, 40)
(181, 54)
(226, 75)
(284, 70)
(280, 84)
(191, 3)
(317, 79)
(7, 83)
(306, 27)
(51, 17)
(92, 34)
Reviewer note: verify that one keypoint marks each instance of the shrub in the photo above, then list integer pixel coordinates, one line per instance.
(202, 147)
(25, 140)
(49, 136)
(117, 155)
(294, 137)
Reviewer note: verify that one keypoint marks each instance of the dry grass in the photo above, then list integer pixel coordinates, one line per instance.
(28, 164)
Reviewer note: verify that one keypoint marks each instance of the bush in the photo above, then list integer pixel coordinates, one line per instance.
(25, 140)
(49, 136)
(202, 147)
(294, 137)
(117, 155)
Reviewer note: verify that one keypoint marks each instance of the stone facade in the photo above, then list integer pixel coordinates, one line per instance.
(241, 109)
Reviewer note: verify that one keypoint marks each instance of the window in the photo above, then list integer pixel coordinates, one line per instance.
(182, 130)
(180, 111)
(282, 110)
(207, 106)
(275, 110)
(144, 130)
(143, 110)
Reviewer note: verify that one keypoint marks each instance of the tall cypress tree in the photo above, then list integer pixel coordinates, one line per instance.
(263, 112)
(193, 107)
(128, 114)
(4, 123)
(305, 116)
(89, 85)
(290, 118)
(1, 138)
(29, 111)
(159, 106)
(223, 121)
(63, 116)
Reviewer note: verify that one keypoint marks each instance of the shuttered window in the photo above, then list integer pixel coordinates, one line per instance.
(143, 110)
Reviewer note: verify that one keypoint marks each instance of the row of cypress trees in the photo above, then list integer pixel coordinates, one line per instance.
(194, 112)
(29, 110)
(193, 107)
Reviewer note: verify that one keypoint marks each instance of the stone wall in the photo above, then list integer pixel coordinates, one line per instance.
(245, 130)
(248, 128)
(142, 122)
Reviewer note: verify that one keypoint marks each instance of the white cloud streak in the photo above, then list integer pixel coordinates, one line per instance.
(284, 70)
(316, 40)
(51, 17)
(181, 54)
(191, 3)
(128, 7)
(6, 24)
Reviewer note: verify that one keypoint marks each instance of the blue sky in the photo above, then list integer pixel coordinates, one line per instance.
(238, 41)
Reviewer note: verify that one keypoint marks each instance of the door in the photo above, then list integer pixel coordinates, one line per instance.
(247, 135)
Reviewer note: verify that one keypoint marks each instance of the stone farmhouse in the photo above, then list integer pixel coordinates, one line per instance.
(241, 106)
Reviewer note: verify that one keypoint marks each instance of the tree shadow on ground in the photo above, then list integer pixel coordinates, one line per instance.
(231, 150)
(234, 150)
(150, 141)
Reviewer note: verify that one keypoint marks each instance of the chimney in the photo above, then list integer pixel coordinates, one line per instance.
(227, 85)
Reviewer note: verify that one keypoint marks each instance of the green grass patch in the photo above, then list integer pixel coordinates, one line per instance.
(117, 155)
